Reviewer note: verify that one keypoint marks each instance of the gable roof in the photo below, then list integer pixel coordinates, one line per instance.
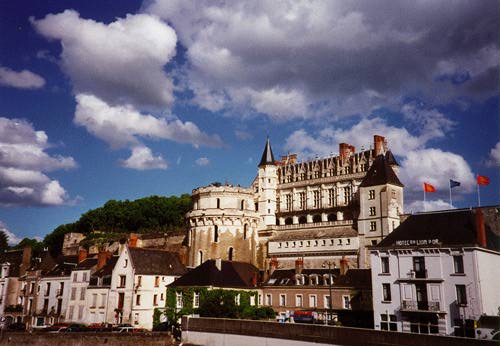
(107, 269)
(381, 173)
(155, 262)
(447, 228)
(267, 155)
(230, 275)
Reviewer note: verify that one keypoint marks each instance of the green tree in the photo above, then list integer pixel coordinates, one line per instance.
(4, 241)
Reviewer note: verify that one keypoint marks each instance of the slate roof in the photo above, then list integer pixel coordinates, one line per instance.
(267, 155)
(108, 267)
(356, 278)
(87, 263)
(156, 262)
(381, 173)
(232, 275)
(450, 228)
(390, 159)
(15, 258)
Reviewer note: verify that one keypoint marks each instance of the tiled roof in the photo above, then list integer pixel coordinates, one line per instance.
(231, 275)
(156, 262)
(380, 173)
(356, 278)
(449, 228)
(267, 155)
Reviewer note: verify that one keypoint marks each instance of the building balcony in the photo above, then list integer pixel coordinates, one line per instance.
(420, 275)
(420, 306)
(313, 224)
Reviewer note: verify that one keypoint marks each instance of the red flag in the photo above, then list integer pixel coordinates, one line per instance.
(482, 180)
(429, 188)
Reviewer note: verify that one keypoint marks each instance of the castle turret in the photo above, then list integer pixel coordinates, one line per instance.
(267, 185)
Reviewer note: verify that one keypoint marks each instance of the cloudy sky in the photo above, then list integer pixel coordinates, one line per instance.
(104, 99)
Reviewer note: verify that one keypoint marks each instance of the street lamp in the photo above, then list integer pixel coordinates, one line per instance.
(330, 265)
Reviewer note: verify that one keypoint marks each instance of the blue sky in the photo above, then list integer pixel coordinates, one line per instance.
(108, 99)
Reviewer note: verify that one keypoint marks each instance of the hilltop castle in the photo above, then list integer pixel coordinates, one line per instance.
(325, 209)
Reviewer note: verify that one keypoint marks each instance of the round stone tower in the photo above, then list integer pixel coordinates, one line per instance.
(223, 224)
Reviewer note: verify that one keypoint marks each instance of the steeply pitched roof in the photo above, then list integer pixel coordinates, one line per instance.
(108, 267)
(87, 263)
(267, 155)
(156, 262)
(380, 173)
(445, 228)
(231, 275)
(390, 159)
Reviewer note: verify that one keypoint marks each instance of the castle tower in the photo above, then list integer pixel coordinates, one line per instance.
(267, 185)
(222, 224)
(380, 203)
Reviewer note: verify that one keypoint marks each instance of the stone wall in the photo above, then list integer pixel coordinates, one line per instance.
(211, 328)
(86, 339)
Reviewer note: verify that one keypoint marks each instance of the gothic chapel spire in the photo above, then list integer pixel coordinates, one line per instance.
(267, 155)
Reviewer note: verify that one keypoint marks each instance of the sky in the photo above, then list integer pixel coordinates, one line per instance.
(104, 99)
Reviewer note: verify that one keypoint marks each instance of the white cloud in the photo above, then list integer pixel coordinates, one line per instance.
(120, 62)
(202, 161)
(495, 155)
(21, 80)
(436, 167)
(12, 239)
(243, 135)
(431, 205)
(142, 159)
(292, 59)
(23, 162)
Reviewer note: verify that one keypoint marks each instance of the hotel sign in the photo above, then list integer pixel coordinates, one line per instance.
(417, 242)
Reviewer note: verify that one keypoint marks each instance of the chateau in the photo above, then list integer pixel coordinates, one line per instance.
(319, 210)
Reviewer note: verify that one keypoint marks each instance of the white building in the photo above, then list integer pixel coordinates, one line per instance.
(438, 272)
(79, 282)
(139, 285)
(98, 289)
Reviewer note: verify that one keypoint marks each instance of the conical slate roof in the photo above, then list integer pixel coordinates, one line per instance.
(390, 159)
(380, 173)
(267, 155)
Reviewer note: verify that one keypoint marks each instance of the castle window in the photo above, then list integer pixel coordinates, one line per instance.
(242, 205)
(216, 233)
(331, 197)
(302, 200)
(316, 199)
(288, 199)
(288, 221)
(245, 231)
(373, 211)
(347, 194)
(371, 194)
(230, 254)
(218, 203)
(200, 257)
(317, 218)
(373, 226)
(302, 219)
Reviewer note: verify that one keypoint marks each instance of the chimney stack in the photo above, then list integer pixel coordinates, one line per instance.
(26, 260)
(273, 265)
(379, 143)
(299, 265)
(82, 255)
(102, 258)
(344, 150)
(480, 229)
(132, 242)
(343, 266)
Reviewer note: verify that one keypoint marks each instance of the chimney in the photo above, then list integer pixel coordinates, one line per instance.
(480, 229)
(82, 255)
(218, 263)
(273, 265)
(299, 265)
(344, 150)
(102, 258)
(26, 260)
(132, 241)
(343, 266)
(379, 143)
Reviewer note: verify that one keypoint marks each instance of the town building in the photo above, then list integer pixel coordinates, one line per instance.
(438, 272)
(294, 291)
(139, 284)
(99, 287)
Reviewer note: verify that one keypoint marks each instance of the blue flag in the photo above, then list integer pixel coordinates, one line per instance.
(454, 183)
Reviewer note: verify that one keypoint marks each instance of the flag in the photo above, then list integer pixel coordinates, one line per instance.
(429, 188)
(454, 183)
(482, 180)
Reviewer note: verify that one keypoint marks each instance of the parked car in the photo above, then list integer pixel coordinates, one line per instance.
(77, 327)
(100, 327)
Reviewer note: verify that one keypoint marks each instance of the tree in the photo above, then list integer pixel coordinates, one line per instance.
(4, 241)
(36, 246)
